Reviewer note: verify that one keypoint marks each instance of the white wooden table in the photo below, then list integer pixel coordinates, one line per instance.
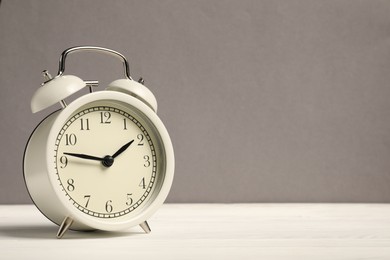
(211, 231)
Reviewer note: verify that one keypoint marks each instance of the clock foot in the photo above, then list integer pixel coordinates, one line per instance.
(145, 226)
(66, 223)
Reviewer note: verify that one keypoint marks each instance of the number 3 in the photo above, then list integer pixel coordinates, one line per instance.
(147, 161)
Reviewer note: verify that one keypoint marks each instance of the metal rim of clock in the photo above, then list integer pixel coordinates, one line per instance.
(65, 53)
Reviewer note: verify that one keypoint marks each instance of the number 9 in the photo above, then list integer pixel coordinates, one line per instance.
(63, 161)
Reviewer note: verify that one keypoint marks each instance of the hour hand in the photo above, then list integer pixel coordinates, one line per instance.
(122, 149)
(85, 156)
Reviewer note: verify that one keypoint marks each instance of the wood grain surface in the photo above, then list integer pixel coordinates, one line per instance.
(211, 231)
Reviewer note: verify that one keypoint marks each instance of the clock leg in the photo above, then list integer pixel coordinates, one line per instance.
(65, 225)
(145, 226)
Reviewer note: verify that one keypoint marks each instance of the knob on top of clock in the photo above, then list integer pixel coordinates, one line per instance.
(55, 90)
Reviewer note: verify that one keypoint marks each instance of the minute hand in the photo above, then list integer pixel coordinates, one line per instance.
(85, 156)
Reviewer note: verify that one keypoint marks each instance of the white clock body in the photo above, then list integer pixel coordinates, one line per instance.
(94, 194)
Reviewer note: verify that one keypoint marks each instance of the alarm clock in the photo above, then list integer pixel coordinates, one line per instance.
(104, 161)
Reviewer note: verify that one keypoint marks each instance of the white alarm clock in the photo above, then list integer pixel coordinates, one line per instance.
(104, 161)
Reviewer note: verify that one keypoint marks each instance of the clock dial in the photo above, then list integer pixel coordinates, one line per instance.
(106, 160)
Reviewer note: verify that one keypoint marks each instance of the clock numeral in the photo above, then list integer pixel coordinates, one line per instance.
(129, 199)
(124, 124)
(142, 183)
(84, 124)
(88, 197)
(140, 137)
(109, 207)
(70, 139)
(70, 186)
(147, 161)
(105, 117)
(63, 161)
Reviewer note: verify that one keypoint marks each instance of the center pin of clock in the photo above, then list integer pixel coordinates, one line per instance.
(108, 161)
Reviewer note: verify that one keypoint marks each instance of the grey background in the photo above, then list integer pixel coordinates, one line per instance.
(265, 101)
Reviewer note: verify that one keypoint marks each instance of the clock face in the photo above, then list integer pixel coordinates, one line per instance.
(107, 159)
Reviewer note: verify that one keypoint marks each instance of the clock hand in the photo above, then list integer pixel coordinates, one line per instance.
(122, 149)
(85, 156)
(108, 160)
